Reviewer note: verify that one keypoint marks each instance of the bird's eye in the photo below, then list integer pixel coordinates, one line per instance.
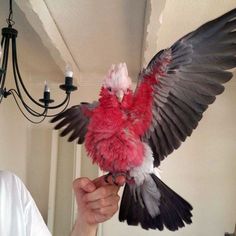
(109, 89)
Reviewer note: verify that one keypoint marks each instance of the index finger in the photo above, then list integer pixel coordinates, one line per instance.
(101, 193)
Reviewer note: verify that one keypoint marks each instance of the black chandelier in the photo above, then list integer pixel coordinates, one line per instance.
(20, 92)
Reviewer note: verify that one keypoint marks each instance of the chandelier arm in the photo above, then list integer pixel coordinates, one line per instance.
(2, 46)
(32, 121)
(67, 98)
(5, 42)
(18, 76)
(1, 68)
(5, 61)
(15, 62)
(18, 92)
(67, 103)
(29, 109)
(2, 41)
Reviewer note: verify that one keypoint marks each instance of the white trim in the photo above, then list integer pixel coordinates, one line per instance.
(76, 174)
(53, 179)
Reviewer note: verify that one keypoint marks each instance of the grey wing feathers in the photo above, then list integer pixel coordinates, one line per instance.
(189, 82)
(74, 121)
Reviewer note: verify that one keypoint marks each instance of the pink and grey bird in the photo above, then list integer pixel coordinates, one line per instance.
(130, 133)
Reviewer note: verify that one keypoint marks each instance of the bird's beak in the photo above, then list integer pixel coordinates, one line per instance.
(120, 95)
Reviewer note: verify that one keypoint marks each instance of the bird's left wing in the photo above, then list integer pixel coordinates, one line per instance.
(75, 120)
(185, 79)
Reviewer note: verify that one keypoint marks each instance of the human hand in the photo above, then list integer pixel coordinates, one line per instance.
(97, 202)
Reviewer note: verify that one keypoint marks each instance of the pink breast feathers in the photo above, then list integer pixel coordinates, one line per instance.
(112, 145)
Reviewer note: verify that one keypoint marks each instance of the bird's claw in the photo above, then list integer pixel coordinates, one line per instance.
(106, 177)
(115, 178)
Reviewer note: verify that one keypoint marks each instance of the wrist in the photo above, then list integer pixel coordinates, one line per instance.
(84, 229)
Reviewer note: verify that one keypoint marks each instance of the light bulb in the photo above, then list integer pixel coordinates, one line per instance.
(46, 88)
(68, 71)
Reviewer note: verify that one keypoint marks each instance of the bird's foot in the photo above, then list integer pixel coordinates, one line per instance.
(117, 178)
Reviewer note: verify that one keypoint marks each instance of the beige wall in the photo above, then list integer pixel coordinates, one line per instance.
(13, 138)
(202, 170)
(38, 165)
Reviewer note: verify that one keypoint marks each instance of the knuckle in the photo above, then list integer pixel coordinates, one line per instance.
(102, 211)
(102, 202)
(80, 182)
(115, 199)
(103, 192)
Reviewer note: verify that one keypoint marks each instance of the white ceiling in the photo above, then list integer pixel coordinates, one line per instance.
(102, 32)
(92, 35)
(89, 34)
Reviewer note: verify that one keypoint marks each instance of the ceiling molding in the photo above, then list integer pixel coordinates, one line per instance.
(39, 17)
(153, 21)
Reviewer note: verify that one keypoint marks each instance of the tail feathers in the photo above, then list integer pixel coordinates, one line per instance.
(173, 210)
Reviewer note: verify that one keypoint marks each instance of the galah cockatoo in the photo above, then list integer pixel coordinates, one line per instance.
(130, 133)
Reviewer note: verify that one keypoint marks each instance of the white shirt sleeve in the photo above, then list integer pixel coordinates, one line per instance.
(34, 222)
(19, 215)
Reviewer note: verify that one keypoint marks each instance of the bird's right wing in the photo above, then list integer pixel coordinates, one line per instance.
(185, 79)
(75, 120)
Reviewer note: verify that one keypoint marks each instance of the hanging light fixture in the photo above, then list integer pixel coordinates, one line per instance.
(20, 92)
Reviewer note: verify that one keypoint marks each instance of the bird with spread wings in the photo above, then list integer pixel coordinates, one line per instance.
(130, 133)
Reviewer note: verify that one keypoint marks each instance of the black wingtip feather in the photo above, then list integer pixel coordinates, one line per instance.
(74, 120)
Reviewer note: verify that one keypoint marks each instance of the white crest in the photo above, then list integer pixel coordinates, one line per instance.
(118, 78)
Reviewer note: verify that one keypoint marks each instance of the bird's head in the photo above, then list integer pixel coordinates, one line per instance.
(117, 81)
